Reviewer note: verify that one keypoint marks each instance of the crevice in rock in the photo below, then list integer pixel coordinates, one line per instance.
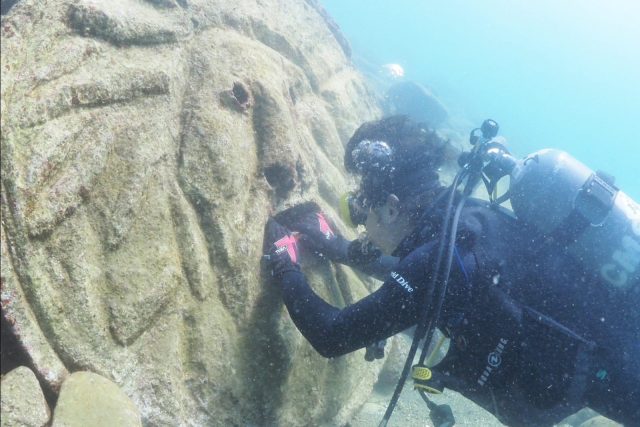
(13, 355)
(164, 4)
(240, 93)
(122, 89)
(292, 95)
(140, 26)
(274, 136)
(281, 178)
(266, 345)
(301, 173)
(9, 337)
(278, 42)
(214, 236)
(238, 97)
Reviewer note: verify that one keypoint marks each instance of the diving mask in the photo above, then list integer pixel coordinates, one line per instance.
(353, 210)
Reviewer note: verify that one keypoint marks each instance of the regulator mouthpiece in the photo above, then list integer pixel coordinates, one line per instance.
(352, 211)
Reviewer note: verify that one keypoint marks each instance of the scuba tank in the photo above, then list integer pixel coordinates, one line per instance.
(566, 201)
(568, 204)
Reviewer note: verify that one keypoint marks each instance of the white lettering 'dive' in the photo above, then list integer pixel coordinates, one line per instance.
(402, 281)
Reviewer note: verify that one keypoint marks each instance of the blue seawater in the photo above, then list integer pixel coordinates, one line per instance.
(553, 73)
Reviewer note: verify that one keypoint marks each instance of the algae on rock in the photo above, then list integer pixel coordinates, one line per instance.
(144, 144)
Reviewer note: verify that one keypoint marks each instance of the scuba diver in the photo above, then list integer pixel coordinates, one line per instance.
(540, 301)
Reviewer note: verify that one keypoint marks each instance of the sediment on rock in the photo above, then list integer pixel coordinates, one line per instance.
(144, 145)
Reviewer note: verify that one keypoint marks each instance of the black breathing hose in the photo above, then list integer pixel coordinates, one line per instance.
(428, 318)
(445, 281)
(472, 170)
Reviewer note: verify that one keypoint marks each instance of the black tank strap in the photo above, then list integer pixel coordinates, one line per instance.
(591, 206)
(553, 324)
(578, 386)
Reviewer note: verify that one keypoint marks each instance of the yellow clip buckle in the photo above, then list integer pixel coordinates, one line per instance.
(421, 373)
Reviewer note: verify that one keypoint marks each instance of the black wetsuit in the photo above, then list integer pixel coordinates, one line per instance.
(530, 342)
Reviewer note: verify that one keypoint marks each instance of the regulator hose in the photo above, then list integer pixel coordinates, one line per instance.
(428, 318)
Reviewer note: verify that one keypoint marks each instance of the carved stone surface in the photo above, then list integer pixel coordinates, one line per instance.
(144, 144)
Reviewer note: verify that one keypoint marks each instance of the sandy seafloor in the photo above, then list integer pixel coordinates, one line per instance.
(411, 410)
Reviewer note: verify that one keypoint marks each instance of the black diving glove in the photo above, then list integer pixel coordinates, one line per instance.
(317, 232)
(280, 249)
(375, 351)
(362, 252)
(318, 235)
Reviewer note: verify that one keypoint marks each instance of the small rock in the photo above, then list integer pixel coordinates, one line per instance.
(87, 399)
(23, 403)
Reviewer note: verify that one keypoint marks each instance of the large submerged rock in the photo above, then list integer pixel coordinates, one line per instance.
(87, 399)
(144, 144)
(23, 404)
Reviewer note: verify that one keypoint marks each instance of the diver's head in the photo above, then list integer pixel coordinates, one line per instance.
(397, 161)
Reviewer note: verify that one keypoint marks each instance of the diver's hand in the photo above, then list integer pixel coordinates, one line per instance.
(362, 252)
(319, 236)
(280, 249)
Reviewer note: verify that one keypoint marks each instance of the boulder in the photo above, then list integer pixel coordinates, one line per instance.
(87, 399)
(415, 101)
(23, 403)
(144, 144)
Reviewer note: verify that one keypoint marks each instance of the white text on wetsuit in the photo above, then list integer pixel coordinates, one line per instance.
(402, 281)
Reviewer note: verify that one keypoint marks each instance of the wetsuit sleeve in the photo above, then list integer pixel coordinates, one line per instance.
(389, 310)
(378, 268)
